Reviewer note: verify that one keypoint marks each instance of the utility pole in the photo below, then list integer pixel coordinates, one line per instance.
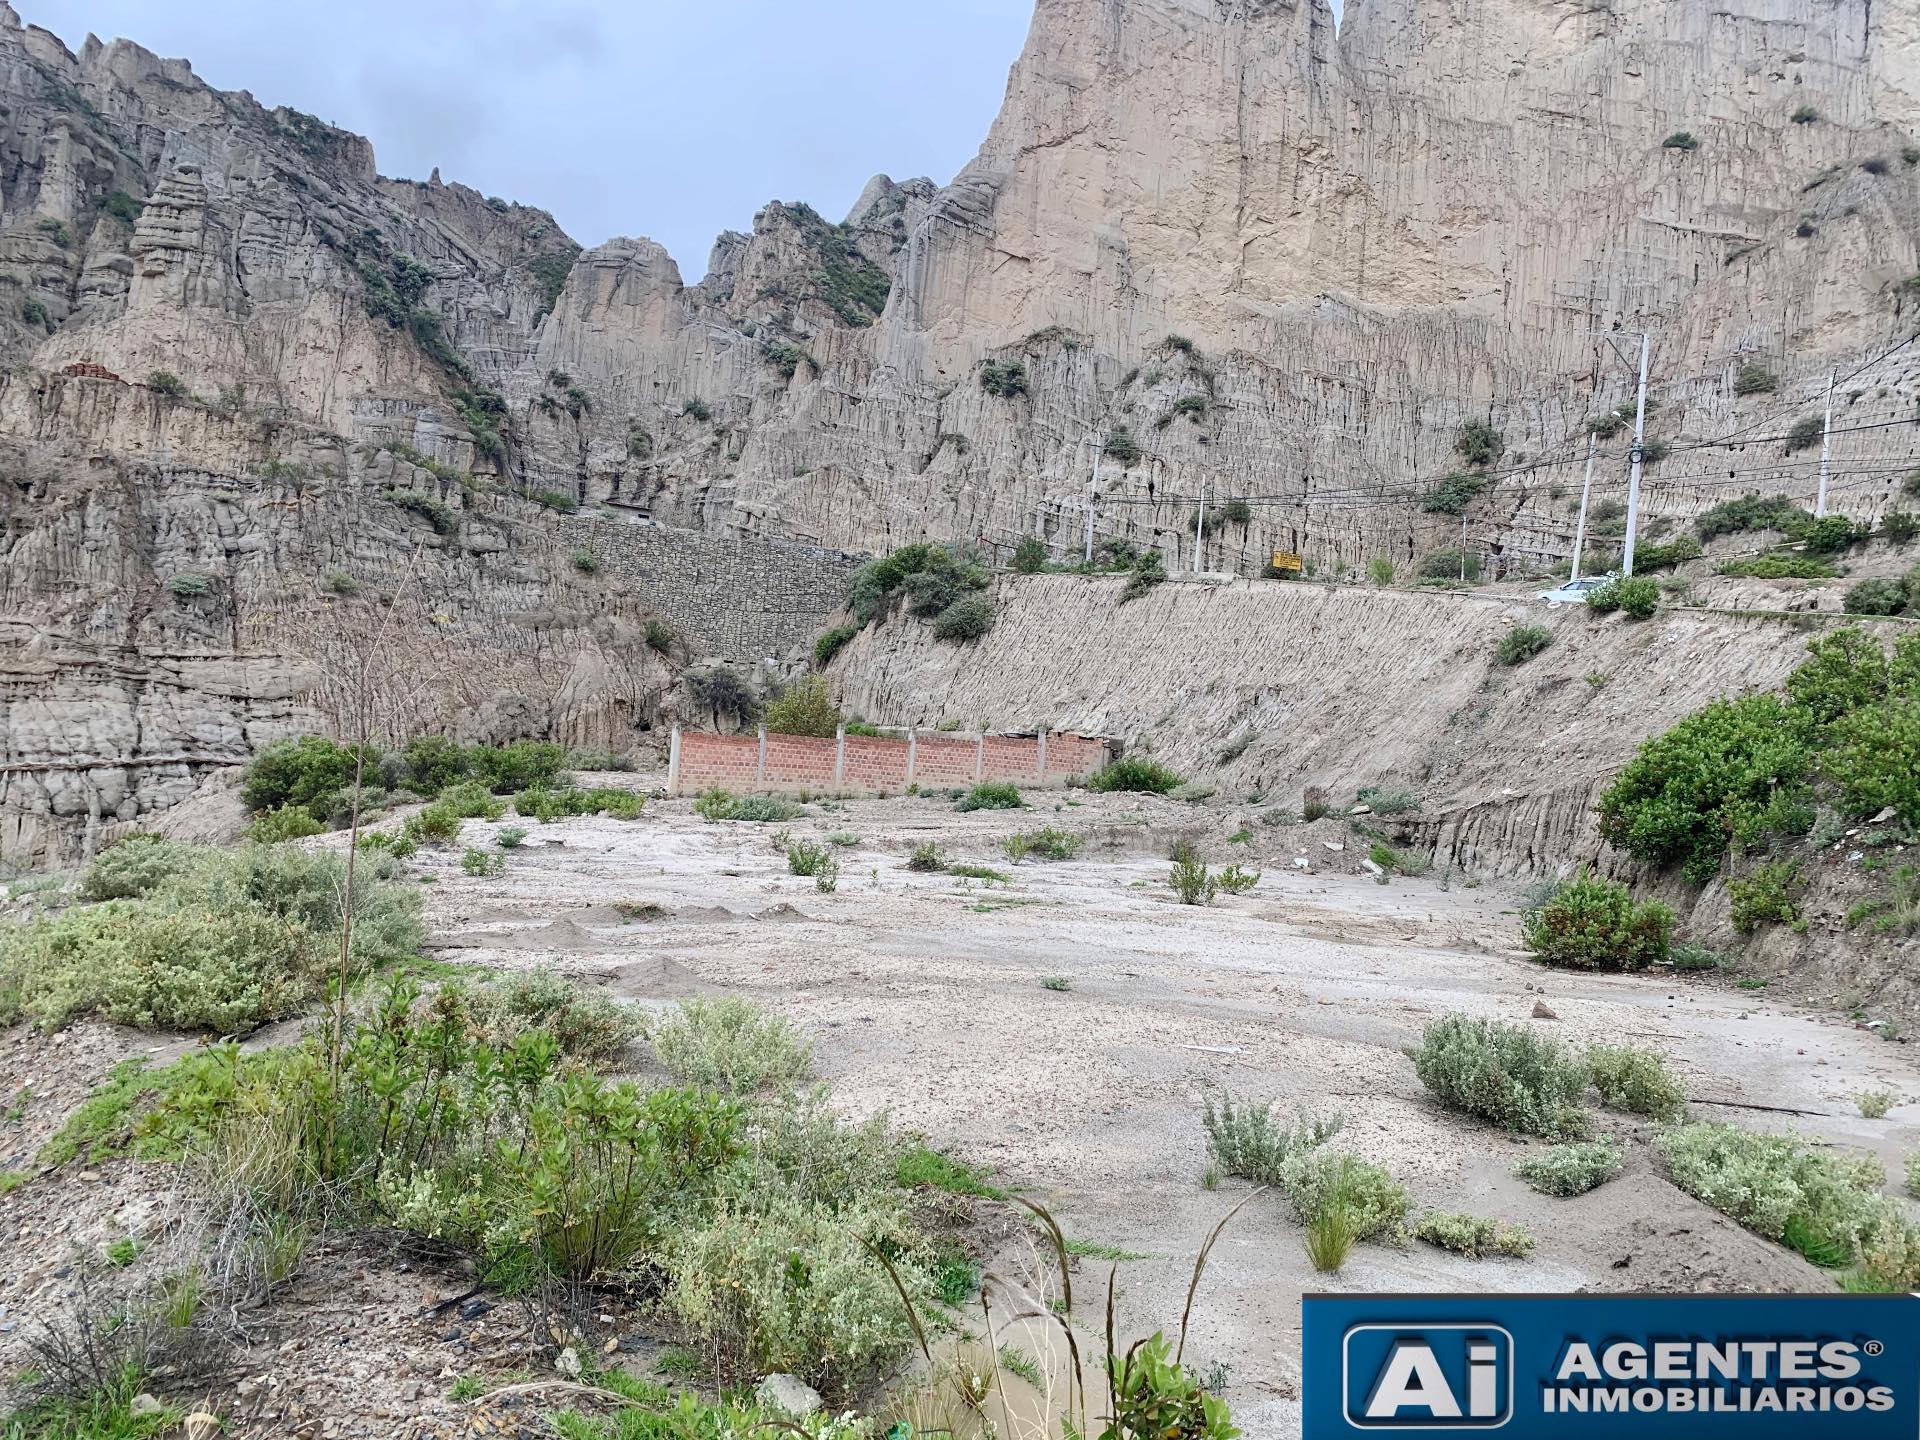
(1200, 527)
(1639, 438)
(1463, 549)
(1580, 529)
(1826, 450)
(1093, 481)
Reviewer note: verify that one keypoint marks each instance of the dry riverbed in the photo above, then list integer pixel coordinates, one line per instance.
(923, 995)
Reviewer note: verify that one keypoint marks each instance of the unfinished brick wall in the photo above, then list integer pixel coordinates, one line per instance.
(873, 764)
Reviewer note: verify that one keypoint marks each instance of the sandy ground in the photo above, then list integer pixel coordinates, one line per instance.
(923, 994)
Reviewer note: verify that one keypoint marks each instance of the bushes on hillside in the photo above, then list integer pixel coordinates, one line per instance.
(1823, 1205)
(1638, 595)
(1571, 1169)
(317, 774)
(804, 708)
(939, 583)
(1522, 643)
(1504, 1074)
(1593, 924)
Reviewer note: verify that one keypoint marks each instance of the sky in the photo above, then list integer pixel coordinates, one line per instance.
(663, 118)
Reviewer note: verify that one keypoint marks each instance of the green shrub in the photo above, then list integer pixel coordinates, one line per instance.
(1052, 843)
(1805, 115)
(930, 577)
(438, 516)
(522, 765)
(1849, 671)
(1638, 595)
(470, 800)
(1134, 773)
(510, 837)
(189, 586)
(1472, 1235)
(1246, 1140)
(1004, 378)
(1121, 446)
(583, 1023)
(539, 803)
(1330, 1236)
(1593, 924)
(1030, 556)
(289, 822)
(717, 804)
(793, 1284)
(926, 858)
(967, 618)
(1874, 758)
(1823, 1204)
(1635, 1080)
(1805, 433)
(1236, 881)
(1899, 527)
(436, 824)
(135, 867)
(1479, 442)
(1664, 557)
(1318, 1177)
(1687, 792)
(586, 561)
(559, 500)
(476, 861)
(991, 795)
(806, 858)
(1752, 512)
(1191, 881)
(729, 1046)
(832, 643)
(1450, 565)
(1876, 597)
(1761, 896)
(309, 771)
(1453, 493)
(219, 940)
(1504, 1074)
(1779, 567)
(804, 708)
(1753, 378)
(1570, 1169)
(1380, 570)
(1680, 140)
(1522, 643)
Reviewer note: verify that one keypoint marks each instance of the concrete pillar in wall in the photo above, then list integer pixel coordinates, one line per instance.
(760, 770)
(673, 762)
(839, 756)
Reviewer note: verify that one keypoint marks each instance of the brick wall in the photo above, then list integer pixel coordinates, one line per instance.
(870, 764)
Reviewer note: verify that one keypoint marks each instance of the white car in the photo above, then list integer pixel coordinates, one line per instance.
(1574, 592)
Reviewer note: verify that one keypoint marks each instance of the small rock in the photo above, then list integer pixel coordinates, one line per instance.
(1885, 815)
(145, 1404)
(1371, 868)
(1543, 1011)
(474, 1309)
(567, 1362)
(788, 1394)
(1361, 810)
(201, 1426)
(1333, 845)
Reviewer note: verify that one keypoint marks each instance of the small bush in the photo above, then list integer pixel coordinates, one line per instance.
(1638, 595)
(587, 562)
(1753, 378)
(1030, 556)
(189, 587)
(1190, 880)
(135, 867)
(832, 643)
(1761, 897)
(1522, 643)
(1751, 512)
(1451, 564)
(1900, 527)
(1805, 115)
(167, 383)
(1823, 1204)
(1330, 1236)
(1504, 1074)
(729, 1046)
(1874, 1104)
(289, 822)
(1636, 1081)
(309, 771)
(1052, 843)
(558, 500)
(1680, 140)
(927, 859)
(1121, 446)
(1453, 493)
(510, 837)
(1318, 1177)
(967, 618)
(1876, 597)
(438, 516)
(1571, 1169)
(804, 708)
(1246, 1140)
(806, 858)
(1874, 758)
(1805, 433)
(1004, 379)
(1472, 1235)
(1133, 773)
(1236, 881)
(991, 795)
(481, 863)
(1593, 924)
(584, 1024)
(539, 803)
(1380, 570)
(1479, 442)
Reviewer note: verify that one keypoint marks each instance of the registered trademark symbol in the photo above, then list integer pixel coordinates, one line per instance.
(1873, 1347)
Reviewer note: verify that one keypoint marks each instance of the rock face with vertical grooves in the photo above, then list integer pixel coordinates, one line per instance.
(1288, 258)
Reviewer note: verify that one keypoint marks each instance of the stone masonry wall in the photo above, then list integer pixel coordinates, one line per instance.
(735, 597)
(871, 764)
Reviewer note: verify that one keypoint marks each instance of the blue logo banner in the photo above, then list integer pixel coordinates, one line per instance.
(1760, 1367)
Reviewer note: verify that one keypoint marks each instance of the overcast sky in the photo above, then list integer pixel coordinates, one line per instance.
(675, 119)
